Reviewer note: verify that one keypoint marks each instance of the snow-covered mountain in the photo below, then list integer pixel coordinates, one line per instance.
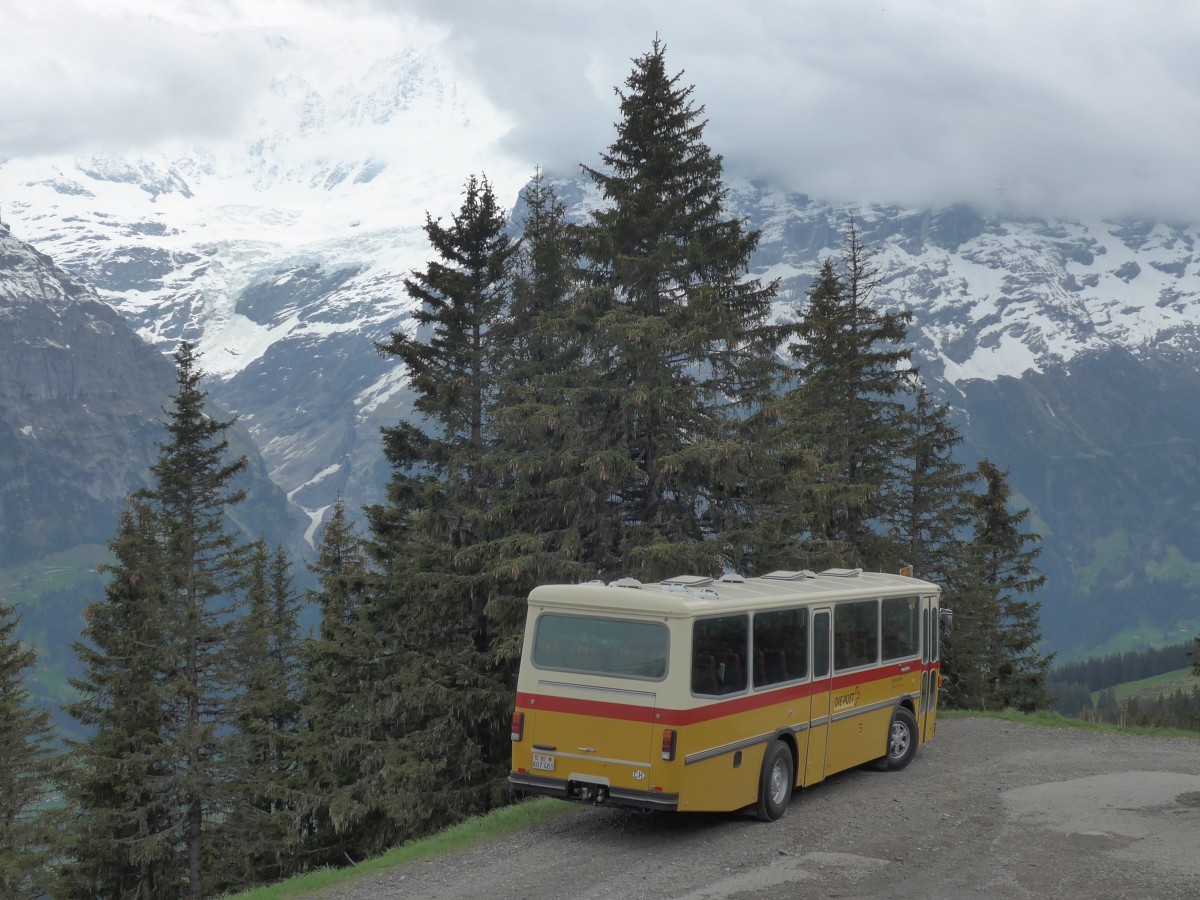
(286, 305)
(282, 255)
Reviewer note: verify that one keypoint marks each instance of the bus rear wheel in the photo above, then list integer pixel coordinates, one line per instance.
(776, 782)
(902, 740)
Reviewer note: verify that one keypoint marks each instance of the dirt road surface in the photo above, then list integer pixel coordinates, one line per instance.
(988, 809)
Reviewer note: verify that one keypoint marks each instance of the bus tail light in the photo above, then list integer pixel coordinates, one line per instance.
(518, 726)
(668, 744)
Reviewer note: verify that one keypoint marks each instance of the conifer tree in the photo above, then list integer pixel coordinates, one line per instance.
(932, 513)
(462, 295)
(265, 716)
(680, 344)
(164, 631)
(437, 700)
(853, 373)
(25, 761)
(204, 564)
(338, 821)
(126, 825)
(992, 657)
(534, 460)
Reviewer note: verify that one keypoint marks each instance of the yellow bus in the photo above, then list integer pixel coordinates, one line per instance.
(697, 694)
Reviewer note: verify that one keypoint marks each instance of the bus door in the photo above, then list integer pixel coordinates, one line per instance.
(929, 659)
(822, 695)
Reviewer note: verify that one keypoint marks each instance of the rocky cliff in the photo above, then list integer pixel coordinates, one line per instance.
(81, 410)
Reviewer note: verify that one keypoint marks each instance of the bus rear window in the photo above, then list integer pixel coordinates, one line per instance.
(600, 646)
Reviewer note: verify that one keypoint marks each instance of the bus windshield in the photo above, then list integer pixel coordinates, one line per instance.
(601, 646)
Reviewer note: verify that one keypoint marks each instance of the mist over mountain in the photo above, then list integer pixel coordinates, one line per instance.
(1067, 347)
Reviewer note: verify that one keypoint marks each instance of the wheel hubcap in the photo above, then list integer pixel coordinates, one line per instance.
(898, 745)
(779, 783)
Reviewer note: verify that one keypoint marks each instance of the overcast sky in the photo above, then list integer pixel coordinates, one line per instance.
(1058, 107)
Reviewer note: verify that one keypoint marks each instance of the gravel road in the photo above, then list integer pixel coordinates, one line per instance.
(987, 809)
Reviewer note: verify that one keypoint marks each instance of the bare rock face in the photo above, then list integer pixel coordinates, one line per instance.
(81, 410)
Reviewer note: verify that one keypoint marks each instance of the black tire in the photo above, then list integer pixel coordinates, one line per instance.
(902, 740)
(776, 782)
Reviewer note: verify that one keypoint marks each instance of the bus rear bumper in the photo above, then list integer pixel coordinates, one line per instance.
(596, 795)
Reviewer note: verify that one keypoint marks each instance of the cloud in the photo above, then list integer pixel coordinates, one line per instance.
(1068, 107)
(111, 76)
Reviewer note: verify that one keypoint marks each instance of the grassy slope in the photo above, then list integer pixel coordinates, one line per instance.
(1152, 688)
(494, 825)
(24, 583)
(51, 629)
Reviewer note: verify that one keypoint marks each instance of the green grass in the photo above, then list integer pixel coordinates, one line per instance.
(1154, 687)
(495, 824)
(1175, 567)
(1109, 553)
(1048, 719)
(25, 582)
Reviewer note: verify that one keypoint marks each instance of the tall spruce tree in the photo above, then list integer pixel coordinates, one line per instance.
(680, 344)
(25, 760)
(534, 460)
(174, 592)
(992, 657)
(265, 717)
(853, 373)
(438, 700)
(123, 836)
(933, 510)
(339, 822)
(192, 490)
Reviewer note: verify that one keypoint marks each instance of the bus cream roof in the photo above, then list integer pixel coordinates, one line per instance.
(688, 596)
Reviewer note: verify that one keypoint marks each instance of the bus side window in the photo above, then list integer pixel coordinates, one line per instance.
(855, 634)
(719, 654)
(780, 646)
(901, 627)
(820, 645)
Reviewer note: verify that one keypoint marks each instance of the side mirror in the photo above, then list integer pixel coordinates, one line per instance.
(946, 617)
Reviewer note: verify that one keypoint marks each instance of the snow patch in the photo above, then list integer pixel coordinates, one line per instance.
(1009, 356)
(314, 522)
(316, 479)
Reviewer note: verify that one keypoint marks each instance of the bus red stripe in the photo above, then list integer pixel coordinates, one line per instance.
(717, 709)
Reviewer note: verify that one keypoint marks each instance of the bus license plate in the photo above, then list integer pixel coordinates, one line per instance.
(543, 762)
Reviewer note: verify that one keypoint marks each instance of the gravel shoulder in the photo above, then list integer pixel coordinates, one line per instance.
(987, 809)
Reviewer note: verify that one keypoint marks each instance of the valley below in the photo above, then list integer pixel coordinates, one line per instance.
(988, 809)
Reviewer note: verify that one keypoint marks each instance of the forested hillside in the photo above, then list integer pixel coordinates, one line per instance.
(1089, 689)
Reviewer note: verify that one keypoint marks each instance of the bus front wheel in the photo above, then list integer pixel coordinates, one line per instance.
(776, 782)
(902, 739)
